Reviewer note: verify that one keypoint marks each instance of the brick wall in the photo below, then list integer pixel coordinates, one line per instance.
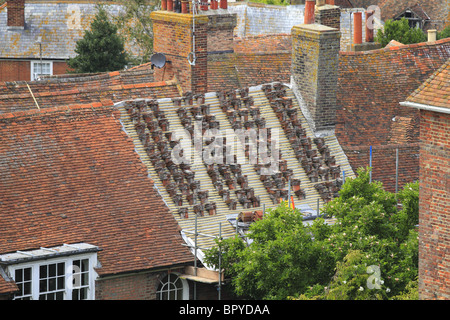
(20, 70)
(135, 287)
(173, 37)
(60, 67)
(315, 55)
(11, 70)
(434, 203)
(220, 32)
(143, 286)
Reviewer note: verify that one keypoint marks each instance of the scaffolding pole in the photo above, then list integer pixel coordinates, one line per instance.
(396, 171)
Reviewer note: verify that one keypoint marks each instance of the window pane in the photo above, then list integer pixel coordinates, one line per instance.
(85, 265)
(51, 284)
(43, 285)
(52, 270)
(43, 271)
(18, 275)
(60, 282)
(76, 294)
(83, 294)
(85, 279)
(27, 288)
(60, 295)
(27, 274)
(61, 270)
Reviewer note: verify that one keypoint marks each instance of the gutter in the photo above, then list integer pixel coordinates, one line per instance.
(425, 107)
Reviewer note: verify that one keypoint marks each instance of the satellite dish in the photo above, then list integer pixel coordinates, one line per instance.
(158, 60)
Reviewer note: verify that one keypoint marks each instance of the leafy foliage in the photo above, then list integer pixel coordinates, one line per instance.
(101, 49)
(370, 252)
(400, 31)
(135, 24)
(444, 33)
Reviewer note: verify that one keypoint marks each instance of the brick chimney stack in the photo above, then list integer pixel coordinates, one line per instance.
(16, 13)
(315, 56)
(188, 41)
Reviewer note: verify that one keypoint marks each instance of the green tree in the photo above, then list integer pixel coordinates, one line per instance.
(400, 31)
(444, 33)
(101, 49)
(281, 261)
(135, 25)
(369, 252)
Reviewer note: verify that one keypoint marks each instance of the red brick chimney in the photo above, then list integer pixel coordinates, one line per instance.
(369, 29)
(357, 33)
(16, 13)
(188, 40)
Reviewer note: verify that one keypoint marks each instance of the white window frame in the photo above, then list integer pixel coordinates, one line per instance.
(35, 75)
(71, 281)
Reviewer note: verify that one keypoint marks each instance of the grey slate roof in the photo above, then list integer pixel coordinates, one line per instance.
(59, 24)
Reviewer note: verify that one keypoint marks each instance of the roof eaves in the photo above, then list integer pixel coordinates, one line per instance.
(425, 107)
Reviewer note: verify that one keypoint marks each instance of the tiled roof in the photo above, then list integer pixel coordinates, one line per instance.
(71, 89)
(371, 85)
(263, 43)
(71, 175)
(256, 60)
(435, 91)
(60, 24)
(7, 286)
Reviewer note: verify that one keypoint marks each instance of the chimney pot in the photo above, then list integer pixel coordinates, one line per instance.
(184, 6)
(369, 28)
(169, 5)
(309, 11)
(223, 4)
(163, 5)
(432, 35)
(204, 5)
(357, 22)
(214, 5)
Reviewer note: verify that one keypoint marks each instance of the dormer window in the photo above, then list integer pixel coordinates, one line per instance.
(60, 273)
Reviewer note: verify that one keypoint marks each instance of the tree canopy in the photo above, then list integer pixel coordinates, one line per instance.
(101, 49)
(369, 252)
(400, 31)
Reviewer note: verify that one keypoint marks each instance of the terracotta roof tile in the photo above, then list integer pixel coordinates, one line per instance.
(435, 91)
(71, 174)
(76, 89)
(371, 85)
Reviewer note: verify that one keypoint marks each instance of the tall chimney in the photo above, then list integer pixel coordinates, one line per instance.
(357, 23)
(16, 13)
(223, 4)
(186, 51)
(315, 57)
(309, 11)
(369, 29)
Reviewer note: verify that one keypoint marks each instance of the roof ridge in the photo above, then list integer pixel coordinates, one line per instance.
(395, 48)
(105, 106)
